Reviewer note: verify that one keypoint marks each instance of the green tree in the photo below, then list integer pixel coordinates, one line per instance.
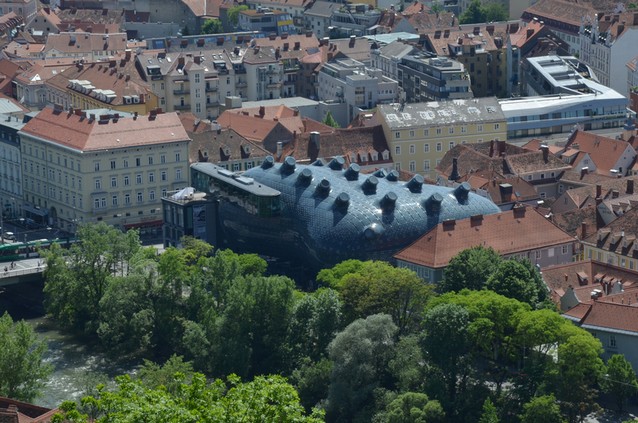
(543, 409)
(170, 375)
(76, 280)
(22, 370)
(411, 407)
(233, 13)
(447, 347)
(378, 287)
(495, 12)
(360, 355)
(330, 121)
(265, 398)
(408, 365)
(333, 276)
(620, 380)
(475, 13)
(490, 414)
(436, 7)
(312, 381)
(469, 269)
(579, 369)
(513, 279)
(212, 26)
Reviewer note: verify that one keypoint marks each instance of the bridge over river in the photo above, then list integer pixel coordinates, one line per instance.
(25, 270)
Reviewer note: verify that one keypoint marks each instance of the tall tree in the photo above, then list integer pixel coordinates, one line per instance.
(22, 369)
(411, 407)
(233, 13)
(543, 409)
(475, 13)
(212, 26)
(469, 269)
(360, 354)
(515, 280)
(620, 380)
(330, 121)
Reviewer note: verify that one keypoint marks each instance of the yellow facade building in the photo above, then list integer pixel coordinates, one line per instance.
(421, 133)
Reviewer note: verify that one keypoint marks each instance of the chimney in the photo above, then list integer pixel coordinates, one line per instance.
(315, 139)
(353, 40)
(180, 61)
(614, 193)
(501, 147)
(599, 191)
(127, 77)
(454, 175)
(583, 230)
(127, 54)
(198, 59)
(519, 211)
(134, 115)
(280, 149)
(630, 186)
(545, 149)
(584, 172)
(262, 111)
(297, 45)
(492, 148)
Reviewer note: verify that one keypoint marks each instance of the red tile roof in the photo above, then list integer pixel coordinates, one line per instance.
(610, 315)
(604, 152)
(516, 231)
(84, 134)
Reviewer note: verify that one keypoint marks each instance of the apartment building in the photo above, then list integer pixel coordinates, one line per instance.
(193, 82)
(425, 78)
(296, 8)
(354, 19)
(264, 73)
(350, 81)
(10, 165)
(607, 44)
(421, 133)
(25, 8)
(88, 46)
(317, 17)
(266, 20)
(91, 166)
(481, 50)
(387, 57)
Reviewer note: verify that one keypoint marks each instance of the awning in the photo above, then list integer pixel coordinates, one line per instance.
(149, 224)
(33, 210)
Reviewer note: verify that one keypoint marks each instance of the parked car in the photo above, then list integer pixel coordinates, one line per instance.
(10, 236)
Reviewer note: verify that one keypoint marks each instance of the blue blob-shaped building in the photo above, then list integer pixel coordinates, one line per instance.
(319, 215)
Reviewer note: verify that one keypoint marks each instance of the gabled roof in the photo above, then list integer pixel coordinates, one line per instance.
(560, 10)
(22, 412)
(534, 161)
(209, 145)
(572, 221)
(322, 8)
(290, 46)
(80, 133)
(362, 142)
(620, 236)
(604, 152)
(250, 127)
(516, 231)
(72, 43)
(503, 190)
(602, 314)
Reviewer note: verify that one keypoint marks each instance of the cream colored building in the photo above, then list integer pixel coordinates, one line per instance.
(97, 166)
(421, 133)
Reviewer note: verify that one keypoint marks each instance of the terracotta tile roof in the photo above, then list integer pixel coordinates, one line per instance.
(84, 134)
(604, 152)
(85, 42)
(103, 16)
(519, 190)
(622, 186)
(560, 10)
(571, 221)
(21, 412)
(619, 236)
(534, 161)
(10, 21)
(291, 46)
(362, 143)
(516, 231)
(611, 316)
(589, 178)
(29, 50)
(424, 22)
(578, 312)
(357, 50)
(251, 127)
(136, 16)
(526, 34)
(39, 73)
(209, 145)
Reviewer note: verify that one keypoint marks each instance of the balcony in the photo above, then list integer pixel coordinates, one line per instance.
(212, 89)
(241, 84)
(212, 104)
(182, 106)
(273, 84)
(181, 92)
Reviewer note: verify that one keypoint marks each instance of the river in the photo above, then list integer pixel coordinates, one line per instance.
(77, 367)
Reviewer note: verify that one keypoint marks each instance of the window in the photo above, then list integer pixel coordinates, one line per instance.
(151, 177)
(479, 128)
(397, 135)
(197, 78)
(114, 200)
(127, 181)
(125, 163)
(426, 132)
(439, 146)
(177, 157)
(112, 164)
(97, 166)
(451, 145)
(463, 129)
(98, 184)
(412, 166)
(397, 166)
(103, 202)
(138, 178)
(426, 148)
(236, 167)
(163, 158)
(411, 134)
(178, 174)
(450, 130)
(412, 149)
(612, 341)
(397, 150)
(426, 165)
(140, 197)
(150, 160)
(564, 249)
(113, 182)
(537, 254)
(497, 126)
(138, 162)
(151, 195)
(438, 131)
(127, 199)
(96, 203)
(163, 175)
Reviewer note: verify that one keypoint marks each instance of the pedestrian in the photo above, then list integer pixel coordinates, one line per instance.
(5, 269)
